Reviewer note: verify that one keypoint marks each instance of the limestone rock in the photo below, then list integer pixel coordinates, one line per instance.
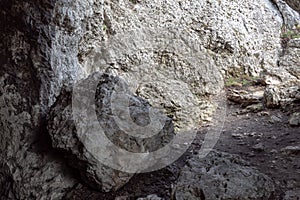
(66, 137)
(290, 61)
(283, 95)
(294, 4)
(222, 176)
(272, 97)
(245, 97)
(291, 150)
(151, 197)
(292, 194)
(259, 147)
(46, 46)
(290, 17)
(295, 119)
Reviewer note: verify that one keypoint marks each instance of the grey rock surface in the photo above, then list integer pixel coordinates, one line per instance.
(290, 17)
(245, 97)
(30, 169)
(290, 61)
(151, 197)
(295, 119)
(292, 194)
(222, 176)
(284, 95)
(66, 137)
(294, 4)
(291, 150)
(47, 45)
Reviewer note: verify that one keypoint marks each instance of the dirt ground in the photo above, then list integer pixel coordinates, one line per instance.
(259, 138)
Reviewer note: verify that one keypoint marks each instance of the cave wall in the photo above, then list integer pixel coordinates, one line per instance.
(47, 45)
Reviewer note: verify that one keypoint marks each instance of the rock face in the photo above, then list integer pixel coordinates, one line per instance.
(155, 58)
(30, 169)
(284, 95)
(290, 60)
(151, 197)
(295, 119)
(222, 176)
(285, 92)
(47, 45)
(245, 97)
(290, 17)
(294, 4)
(67, 138)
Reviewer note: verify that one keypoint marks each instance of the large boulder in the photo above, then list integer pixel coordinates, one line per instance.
(222, 176)
(67, 138)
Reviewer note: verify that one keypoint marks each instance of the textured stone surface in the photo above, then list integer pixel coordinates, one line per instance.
(290, 17)
(295, 119)
(66, 138)
(291, 150)
(284, 95)
(151, 197)
(48, 44)
(184, 44)
(222, 176)
(292, 194)
(294, 4)
(245, 97)
(30, 169)
(290, 61)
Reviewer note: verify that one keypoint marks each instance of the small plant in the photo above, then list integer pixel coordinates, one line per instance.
(104, 28)
(291, 34)
(288, 34)
(240, 81)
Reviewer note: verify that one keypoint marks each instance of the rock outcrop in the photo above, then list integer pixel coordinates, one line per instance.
(294, 4)
(174, 54)
(222, 176)
(67, 138)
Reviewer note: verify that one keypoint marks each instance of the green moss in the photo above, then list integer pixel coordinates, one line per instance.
(242, 80)
(290, 34)
(104, 28)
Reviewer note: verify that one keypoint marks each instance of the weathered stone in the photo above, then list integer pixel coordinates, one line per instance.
(291, 150)
(259, 147)
(50, 44)
(66, 137)
(290, 61)
(245, 97)
(294, 4)
(151, 197)
(283, 95)
(290, 17)
(222, 176)
(292, 194)
(272, 97)
(295, 119)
